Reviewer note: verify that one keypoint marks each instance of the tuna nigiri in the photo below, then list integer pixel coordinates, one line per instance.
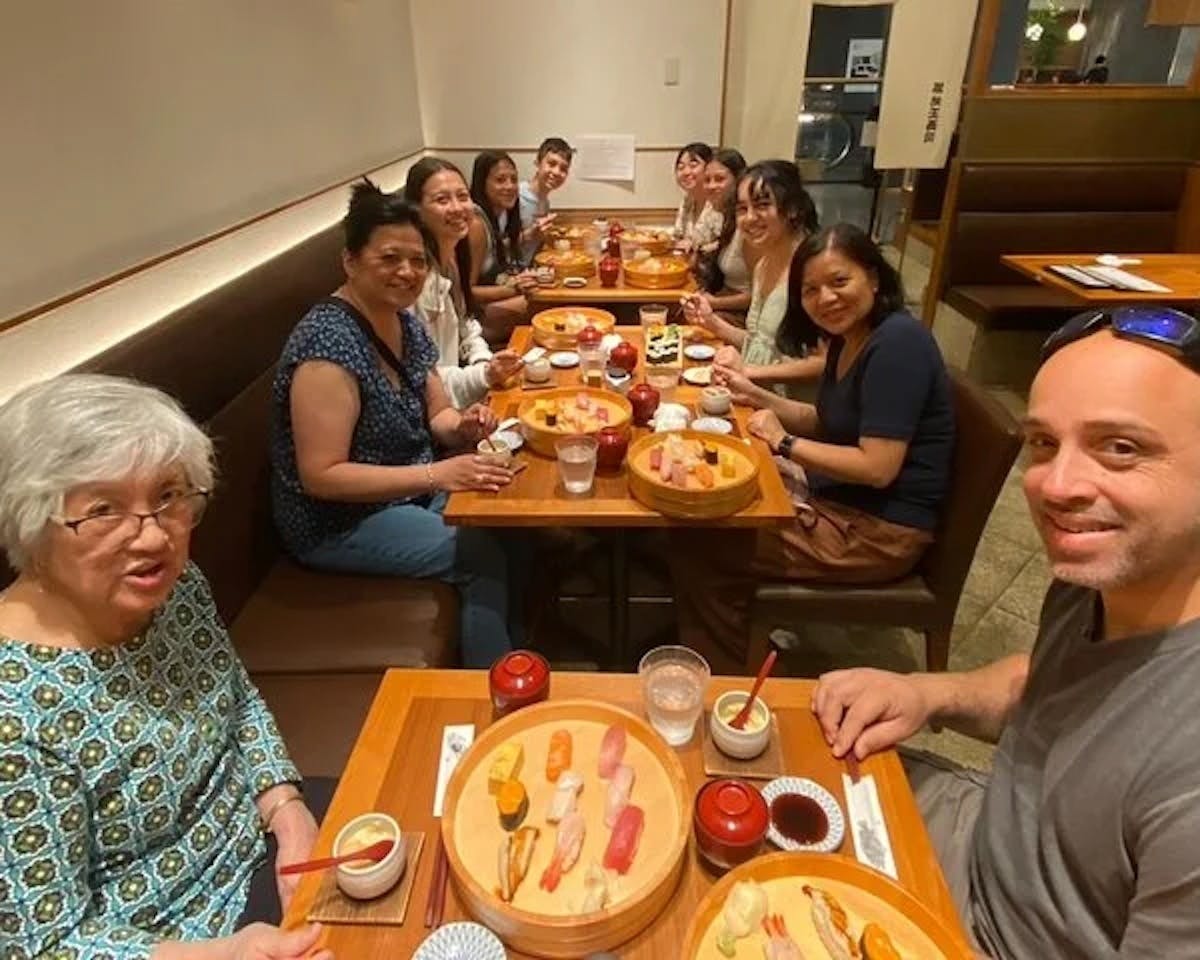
(612, 750)
(566, 850)
(558, 757)
(623, 844)
(620, 788)
(565, 793)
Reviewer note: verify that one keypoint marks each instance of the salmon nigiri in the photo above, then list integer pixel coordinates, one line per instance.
(558, 757)
(623, 844)
(612, 750)
(620, 788)
(566, 850)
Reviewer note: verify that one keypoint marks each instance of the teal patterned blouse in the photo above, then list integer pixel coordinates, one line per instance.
(127, 786)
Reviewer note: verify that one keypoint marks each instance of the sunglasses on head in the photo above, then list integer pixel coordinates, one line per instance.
(1160, 326)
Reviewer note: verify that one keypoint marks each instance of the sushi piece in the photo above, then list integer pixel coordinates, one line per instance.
(566, 792)
(558, 757)
(679, 474)
(876, 944)
(743, 911)
(665, 464)
(623, 844)
(602, 414)
(551, 418)
(506, 765)
(516, 853)
(711, 454)
(612, 750)
(656, 459)
(583, 401)
(620, 788)
(566, 850)
(833, 926)
(595, 889)
(705, 475)
(560, 326)
(512, 802)
(779, 945)
(728, 470)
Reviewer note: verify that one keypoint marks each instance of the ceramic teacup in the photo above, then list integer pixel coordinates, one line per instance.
(716, 401)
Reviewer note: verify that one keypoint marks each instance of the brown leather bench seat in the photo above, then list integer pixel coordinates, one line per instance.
(1050, 208)
(316, 644)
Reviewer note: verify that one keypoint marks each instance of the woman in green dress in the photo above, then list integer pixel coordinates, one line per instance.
(140, 768)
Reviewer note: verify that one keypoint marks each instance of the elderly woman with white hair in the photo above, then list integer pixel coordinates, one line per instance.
(139, 766)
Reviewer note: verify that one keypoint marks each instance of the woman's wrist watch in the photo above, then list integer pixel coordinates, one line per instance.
(784, 447)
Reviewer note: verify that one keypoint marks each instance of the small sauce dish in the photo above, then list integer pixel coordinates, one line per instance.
(751, 740)
(362, 880)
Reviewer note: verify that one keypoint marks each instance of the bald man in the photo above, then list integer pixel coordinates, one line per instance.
(1085, 841)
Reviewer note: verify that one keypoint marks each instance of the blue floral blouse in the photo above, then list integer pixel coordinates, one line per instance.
(127, 786)
(392, 428)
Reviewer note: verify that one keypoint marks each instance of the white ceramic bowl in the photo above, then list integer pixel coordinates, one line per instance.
(564, 359)
(496, 450)
(376, 879)
(512, 437)
(461, 941)
(740, 744)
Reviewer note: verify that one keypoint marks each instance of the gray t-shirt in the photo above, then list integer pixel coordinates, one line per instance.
(1088, 845)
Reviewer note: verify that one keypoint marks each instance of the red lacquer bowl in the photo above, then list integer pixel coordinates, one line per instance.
(518, 679)
(730, 822)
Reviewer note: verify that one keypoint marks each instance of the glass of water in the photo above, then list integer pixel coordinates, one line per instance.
(673, 683)
(576, 462)
(652, 315)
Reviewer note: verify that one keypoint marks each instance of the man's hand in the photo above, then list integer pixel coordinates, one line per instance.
(868, 711)
(765, 425)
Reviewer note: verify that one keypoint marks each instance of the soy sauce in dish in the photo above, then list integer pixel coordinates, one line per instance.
(799, 818)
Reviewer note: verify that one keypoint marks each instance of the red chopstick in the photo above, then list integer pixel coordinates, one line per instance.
(435, 903)
(852, 765)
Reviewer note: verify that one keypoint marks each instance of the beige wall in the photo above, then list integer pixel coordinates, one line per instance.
(509, 74)
(134, 127)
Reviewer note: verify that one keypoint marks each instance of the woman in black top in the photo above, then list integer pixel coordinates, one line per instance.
(876, 448)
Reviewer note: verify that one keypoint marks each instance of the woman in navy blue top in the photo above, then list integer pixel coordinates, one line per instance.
(875, 448)
(358, 407)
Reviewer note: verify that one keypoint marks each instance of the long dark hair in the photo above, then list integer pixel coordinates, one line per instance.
(414, 189)
(508, 241)
(370, 208)
(798, 333)
(780, 181)
(696, 149)
(712, 278)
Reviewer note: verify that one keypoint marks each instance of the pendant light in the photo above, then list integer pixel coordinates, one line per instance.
(1078, 29)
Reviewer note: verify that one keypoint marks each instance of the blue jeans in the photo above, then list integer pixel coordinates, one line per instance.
(408, 540)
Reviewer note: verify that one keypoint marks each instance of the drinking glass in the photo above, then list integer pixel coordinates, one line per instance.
(652, 315)
(576, 462)
(673, 683)
(591, 364)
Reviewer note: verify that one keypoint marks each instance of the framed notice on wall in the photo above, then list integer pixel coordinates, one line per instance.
(604, 156)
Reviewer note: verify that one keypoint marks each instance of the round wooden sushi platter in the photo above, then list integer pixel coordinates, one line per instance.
(793, 883)
(575, 411)
(546, 332)
(563, 922)
(654, 241)
(656, 273)
(567, 263)
(688, 493)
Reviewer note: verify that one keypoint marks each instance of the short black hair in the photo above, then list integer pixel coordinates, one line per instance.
(780, 180)
(371, 208)
(798, 332)
(701, 151)
(556, 145)
(1101, 58)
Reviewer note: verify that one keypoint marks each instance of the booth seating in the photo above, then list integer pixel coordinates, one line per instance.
(316, 644)
(987, 441)
(1050, 208)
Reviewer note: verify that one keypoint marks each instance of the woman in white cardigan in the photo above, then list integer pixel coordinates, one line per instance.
(467, 365)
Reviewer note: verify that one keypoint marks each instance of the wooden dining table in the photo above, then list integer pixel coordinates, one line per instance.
(595, 295)
(1179, 272)
(536, 498)
(393, 769)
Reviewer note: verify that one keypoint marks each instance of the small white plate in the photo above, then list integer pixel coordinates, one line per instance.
(461, 941)
(806, 788)
(511, 437)
(564, 359)
(698, 376)
(699, 351)
(712, 425)
(574, 282)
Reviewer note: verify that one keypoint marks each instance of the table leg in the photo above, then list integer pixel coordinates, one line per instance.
(618, 599)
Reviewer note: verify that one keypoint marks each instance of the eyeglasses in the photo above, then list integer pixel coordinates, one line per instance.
(1160, 326)
(179, 512)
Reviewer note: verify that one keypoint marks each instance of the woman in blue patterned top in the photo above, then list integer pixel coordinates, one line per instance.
(139, 767)
(358, 405)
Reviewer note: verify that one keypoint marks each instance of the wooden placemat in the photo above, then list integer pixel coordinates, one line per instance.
(333, 906)
(766, 766)
(527, 385)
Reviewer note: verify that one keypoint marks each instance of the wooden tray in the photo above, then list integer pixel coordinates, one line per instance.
(541, 439)
(674, 273)
(866, 895)
(538, 922)
(567, 263)
(576, 236)
(544, 334)
(656, 241)
(726, 497)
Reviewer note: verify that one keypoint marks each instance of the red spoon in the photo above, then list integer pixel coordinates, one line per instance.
(375, 852)
(744, 714)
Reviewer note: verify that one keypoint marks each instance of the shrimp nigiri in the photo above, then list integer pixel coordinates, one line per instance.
(620, 788)
(612, 750)
(558, 757)
(566, 850)
(566, 790)
(779, 945)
